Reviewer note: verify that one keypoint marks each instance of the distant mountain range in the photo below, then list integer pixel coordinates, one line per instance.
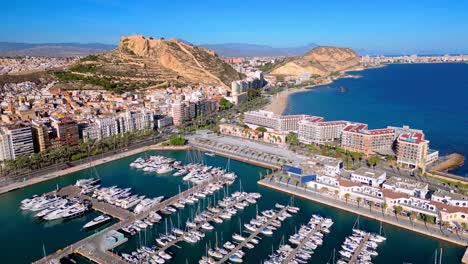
(52, 49)
(254, 50)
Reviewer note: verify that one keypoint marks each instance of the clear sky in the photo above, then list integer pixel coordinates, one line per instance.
(379, 26)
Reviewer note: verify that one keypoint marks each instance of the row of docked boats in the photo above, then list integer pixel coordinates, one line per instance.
(53, 207)
(199, 173)
(194, 229)
(158, 164)
(121, 197)
(352, 245)
(264, 223)
(139, 225)
(302, 243)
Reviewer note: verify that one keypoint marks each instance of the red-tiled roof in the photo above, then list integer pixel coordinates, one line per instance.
(393, 195)
(347, 183)
(415, 137)
(450, 208)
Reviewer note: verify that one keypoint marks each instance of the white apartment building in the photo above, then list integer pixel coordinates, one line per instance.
(370, 177)
(407, 186)
(453, 199)
(282, 123)
(134, 121)
(320, 132)
(15, 140)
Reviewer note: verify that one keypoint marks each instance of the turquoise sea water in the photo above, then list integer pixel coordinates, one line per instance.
(432, 97)
(22, 237)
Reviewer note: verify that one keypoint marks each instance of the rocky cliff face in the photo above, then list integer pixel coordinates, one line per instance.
(320, 61)
(154, 62)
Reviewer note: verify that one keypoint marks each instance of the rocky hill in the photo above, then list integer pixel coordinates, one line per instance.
(319, 61)
(140, 62)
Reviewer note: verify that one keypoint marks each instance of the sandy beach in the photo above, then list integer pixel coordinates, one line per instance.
(279, 101)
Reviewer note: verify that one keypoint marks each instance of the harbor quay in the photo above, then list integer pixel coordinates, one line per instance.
(402, 222)
(70, 170)
(90, 247)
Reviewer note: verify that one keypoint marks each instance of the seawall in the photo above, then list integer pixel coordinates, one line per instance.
(60, 173)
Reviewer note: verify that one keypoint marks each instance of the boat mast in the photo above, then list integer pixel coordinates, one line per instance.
(440, 256)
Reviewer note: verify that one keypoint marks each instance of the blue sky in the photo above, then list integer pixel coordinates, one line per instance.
(379, 26)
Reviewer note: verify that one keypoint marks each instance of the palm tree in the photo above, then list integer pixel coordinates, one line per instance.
(412, 215)
(397, 209)
(336, 194)
(371, 203)
(358, 200)
(324, 189)
(346, 196)
(384, 207)
(464, 226)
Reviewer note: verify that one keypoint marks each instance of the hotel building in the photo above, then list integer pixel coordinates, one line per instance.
(413, 150)
(282, 123)
(320, 132)
(356, 137)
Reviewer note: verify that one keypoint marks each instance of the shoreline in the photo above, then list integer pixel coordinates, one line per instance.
(367, 215)
(279, 101)
(60, 173)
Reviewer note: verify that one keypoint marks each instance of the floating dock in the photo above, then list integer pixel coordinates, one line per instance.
(252, 235)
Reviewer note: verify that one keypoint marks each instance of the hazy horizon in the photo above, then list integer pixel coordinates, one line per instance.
(397, 27)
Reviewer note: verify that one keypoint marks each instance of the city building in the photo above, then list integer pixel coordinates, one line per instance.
(163, 121)
(282, 123)
(358, 138)
(15, 140)
(408, 186)
(41, 137)
(371, 177)
(65, 131)
(131, 121)
(319, 132)
(412, 150)
(178, 113)
(450, 198)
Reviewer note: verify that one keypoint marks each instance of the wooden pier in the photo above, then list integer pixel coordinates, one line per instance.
(359, 249)
(252, 235)
(307, 238)
(91, 246)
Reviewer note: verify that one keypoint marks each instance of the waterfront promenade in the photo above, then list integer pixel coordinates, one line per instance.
(91, 246)
(60, 173)
(375, 214)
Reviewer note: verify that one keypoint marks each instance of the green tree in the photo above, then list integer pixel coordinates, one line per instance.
(224, 104)
(384, 207)
(261, 129)
(397, 209)
(336, 194)
(346, 196)
(358, 200)
(177, 141)
(430, 219)
(412, 215)
(292, 139)
(371, 203)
